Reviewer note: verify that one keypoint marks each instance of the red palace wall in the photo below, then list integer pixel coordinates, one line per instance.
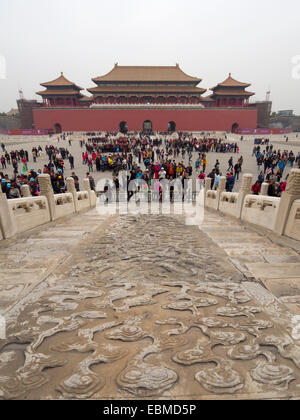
(109, 119)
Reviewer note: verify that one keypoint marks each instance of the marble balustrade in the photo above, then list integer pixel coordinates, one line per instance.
(278, 214)
(23, 214)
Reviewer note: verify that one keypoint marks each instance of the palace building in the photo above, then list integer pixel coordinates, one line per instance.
(61, 92)
(146, 85)
(149, 98)
(231, 93)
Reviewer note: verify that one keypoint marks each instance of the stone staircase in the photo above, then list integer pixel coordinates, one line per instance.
(269, 260)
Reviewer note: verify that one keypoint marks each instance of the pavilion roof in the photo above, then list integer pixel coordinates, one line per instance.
(231, 82)
(231, 92)
(61, 81)
(146, 89)
(53, 92)
(146, 74)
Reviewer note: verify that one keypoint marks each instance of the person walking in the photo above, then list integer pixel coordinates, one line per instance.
(230, 181)
(71, 161)
(76, 181)
(90, 164)
(237, 170)
(230, 164)
(92, 181)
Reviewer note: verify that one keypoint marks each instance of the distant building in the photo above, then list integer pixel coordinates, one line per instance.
(12, 112)
(264, 109)
(9, 122)
(231, 93)
(285, 119)
(26, 112)
(287, 113)
(148, 98)
(61, 92)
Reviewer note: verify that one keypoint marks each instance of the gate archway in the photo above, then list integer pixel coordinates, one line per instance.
(171, 126)
(57, 128)
(147, 127)
(123, 127)
(235, 127)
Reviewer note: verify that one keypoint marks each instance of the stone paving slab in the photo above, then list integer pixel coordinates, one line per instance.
(241, 266)
(62, 233)
(282, 287)
(257, 252)
(234, 235)
(75, 228)
(287, 290)
(261, 270)
(258, 244)
(284, 259)
(52, 242)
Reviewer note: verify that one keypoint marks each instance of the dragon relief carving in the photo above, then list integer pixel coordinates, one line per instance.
(202, 324)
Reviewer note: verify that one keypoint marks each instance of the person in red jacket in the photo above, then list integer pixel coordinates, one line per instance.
(156, 170)
(256, 188)
(283, 186)
(170, 170)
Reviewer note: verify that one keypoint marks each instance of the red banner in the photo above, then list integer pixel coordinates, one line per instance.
(20, 132)
(260, 131)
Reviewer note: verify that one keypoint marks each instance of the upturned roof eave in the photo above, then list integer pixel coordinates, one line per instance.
(98, 90)
(119, 69)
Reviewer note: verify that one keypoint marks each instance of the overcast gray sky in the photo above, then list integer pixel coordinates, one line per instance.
(255, 40)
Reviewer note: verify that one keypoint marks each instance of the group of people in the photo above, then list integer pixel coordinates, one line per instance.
(274, 163)
(12, 187)
(145, 157)
(232, 174)
(104, 153)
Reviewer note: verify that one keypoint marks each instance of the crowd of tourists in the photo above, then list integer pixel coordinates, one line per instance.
(160, 157)
(232, 174)
(12, 187)
(110, 153)
(271, 165)
(145, 157)
(29, 176)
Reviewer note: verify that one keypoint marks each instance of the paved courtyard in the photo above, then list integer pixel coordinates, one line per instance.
(246, 147)
(145, 306)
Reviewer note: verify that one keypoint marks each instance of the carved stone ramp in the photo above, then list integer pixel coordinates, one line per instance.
(136, 307)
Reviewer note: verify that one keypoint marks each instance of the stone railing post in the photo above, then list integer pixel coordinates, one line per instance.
(221, 189)
(291, 194)
(71, 189)
(7, 223)
(245, 190)
(25, 191)
(207, 187)
(47, 191)
(87, 187)
(264, 188)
